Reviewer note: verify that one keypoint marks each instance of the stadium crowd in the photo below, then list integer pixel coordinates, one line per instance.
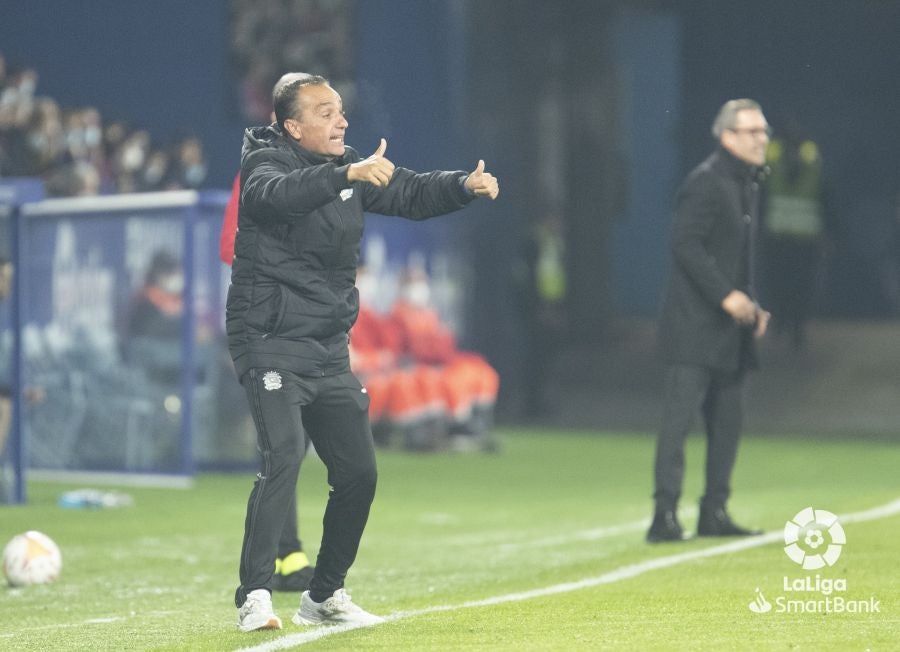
(271, 36)
(77, 153)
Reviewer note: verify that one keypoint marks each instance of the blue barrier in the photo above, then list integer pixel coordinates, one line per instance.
(108, 396)
(13, 193)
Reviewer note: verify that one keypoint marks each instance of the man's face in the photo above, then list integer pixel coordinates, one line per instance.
(749, 137)
(321, 124)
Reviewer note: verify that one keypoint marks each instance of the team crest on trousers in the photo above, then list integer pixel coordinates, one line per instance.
(272, 380)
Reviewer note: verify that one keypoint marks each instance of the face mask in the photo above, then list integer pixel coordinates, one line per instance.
(133, 157)
(195, 174)
(37, 141)
(154, 172)
(418, 293)
(92, 136)
(27, 86)
(8, 97)
(172, 284)
(75, 138)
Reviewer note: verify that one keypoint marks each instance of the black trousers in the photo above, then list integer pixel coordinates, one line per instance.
(720, 398)
(289, 541)
(333, 411)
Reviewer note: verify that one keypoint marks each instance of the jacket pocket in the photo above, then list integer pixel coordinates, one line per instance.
(358, 393)
(276, 319)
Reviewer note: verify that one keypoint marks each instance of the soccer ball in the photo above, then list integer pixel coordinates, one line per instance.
(31, 558)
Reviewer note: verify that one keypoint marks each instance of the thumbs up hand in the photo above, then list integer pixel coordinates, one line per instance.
(376, 169)
(482, 183)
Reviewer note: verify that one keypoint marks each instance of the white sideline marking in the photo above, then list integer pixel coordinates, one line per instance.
(616, 575)
(594, 534)
(90, 621)
(584, 535)
(151, 480)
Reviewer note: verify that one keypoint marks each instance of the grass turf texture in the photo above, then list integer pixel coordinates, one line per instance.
(447, 529)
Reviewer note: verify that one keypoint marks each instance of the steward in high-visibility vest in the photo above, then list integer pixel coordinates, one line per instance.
(793, 231)
(795, 189)
(550, 269)
(543, 292)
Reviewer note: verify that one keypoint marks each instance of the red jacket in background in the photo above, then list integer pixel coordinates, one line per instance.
(230, 223)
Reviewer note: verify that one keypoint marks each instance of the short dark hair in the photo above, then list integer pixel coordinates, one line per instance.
(284, 94)
(162, 263)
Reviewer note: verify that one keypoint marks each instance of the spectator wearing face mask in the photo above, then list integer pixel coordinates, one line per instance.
(77, 154)
(153, 176)
(130, 159)
(405, 398)
(45, 142)
(189, 169)
(153, 328)
(470, 384)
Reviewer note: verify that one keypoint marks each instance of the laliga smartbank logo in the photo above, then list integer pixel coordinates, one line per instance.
(813, 539)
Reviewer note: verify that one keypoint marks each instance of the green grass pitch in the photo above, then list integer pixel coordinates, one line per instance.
(449, 533)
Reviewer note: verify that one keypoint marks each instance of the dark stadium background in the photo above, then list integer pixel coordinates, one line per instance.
(633, 87)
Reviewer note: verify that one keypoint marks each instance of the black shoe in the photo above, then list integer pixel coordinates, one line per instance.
(715, 522)
(665, 527)
(293, 582)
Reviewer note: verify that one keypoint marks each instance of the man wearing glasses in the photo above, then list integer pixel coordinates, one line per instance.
(710, 319)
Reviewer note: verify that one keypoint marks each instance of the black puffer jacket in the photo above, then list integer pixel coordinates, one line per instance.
(292, 298)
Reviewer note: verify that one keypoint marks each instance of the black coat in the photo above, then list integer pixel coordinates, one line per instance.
(712, 247)
(292, 298)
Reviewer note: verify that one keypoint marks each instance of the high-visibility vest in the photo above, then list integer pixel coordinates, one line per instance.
(794, 207)
(550, 269)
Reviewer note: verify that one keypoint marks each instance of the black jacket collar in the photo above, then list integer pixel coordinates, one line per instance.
(311, 157)
(305, 154)
(273, 136)
(733, 166)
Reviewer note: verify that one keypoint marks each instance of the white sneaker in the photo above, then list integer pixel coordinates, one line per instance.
(256, 612)
(336, 610)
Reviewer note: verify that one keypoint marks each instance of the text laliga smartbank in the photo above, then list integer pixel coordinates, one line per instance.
(813, 539)
(824, 587)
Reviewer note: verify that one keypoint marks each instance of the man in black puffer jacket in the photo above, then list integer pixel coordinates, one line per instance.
(290, 307)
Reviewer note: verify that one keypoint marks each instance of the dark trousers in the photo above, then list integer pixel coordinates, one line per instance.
(720, 397)
(333, 411)
(289, 541)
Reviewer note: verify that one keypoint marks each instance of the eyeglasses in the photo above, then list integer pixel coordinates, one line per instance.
(756, 132)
